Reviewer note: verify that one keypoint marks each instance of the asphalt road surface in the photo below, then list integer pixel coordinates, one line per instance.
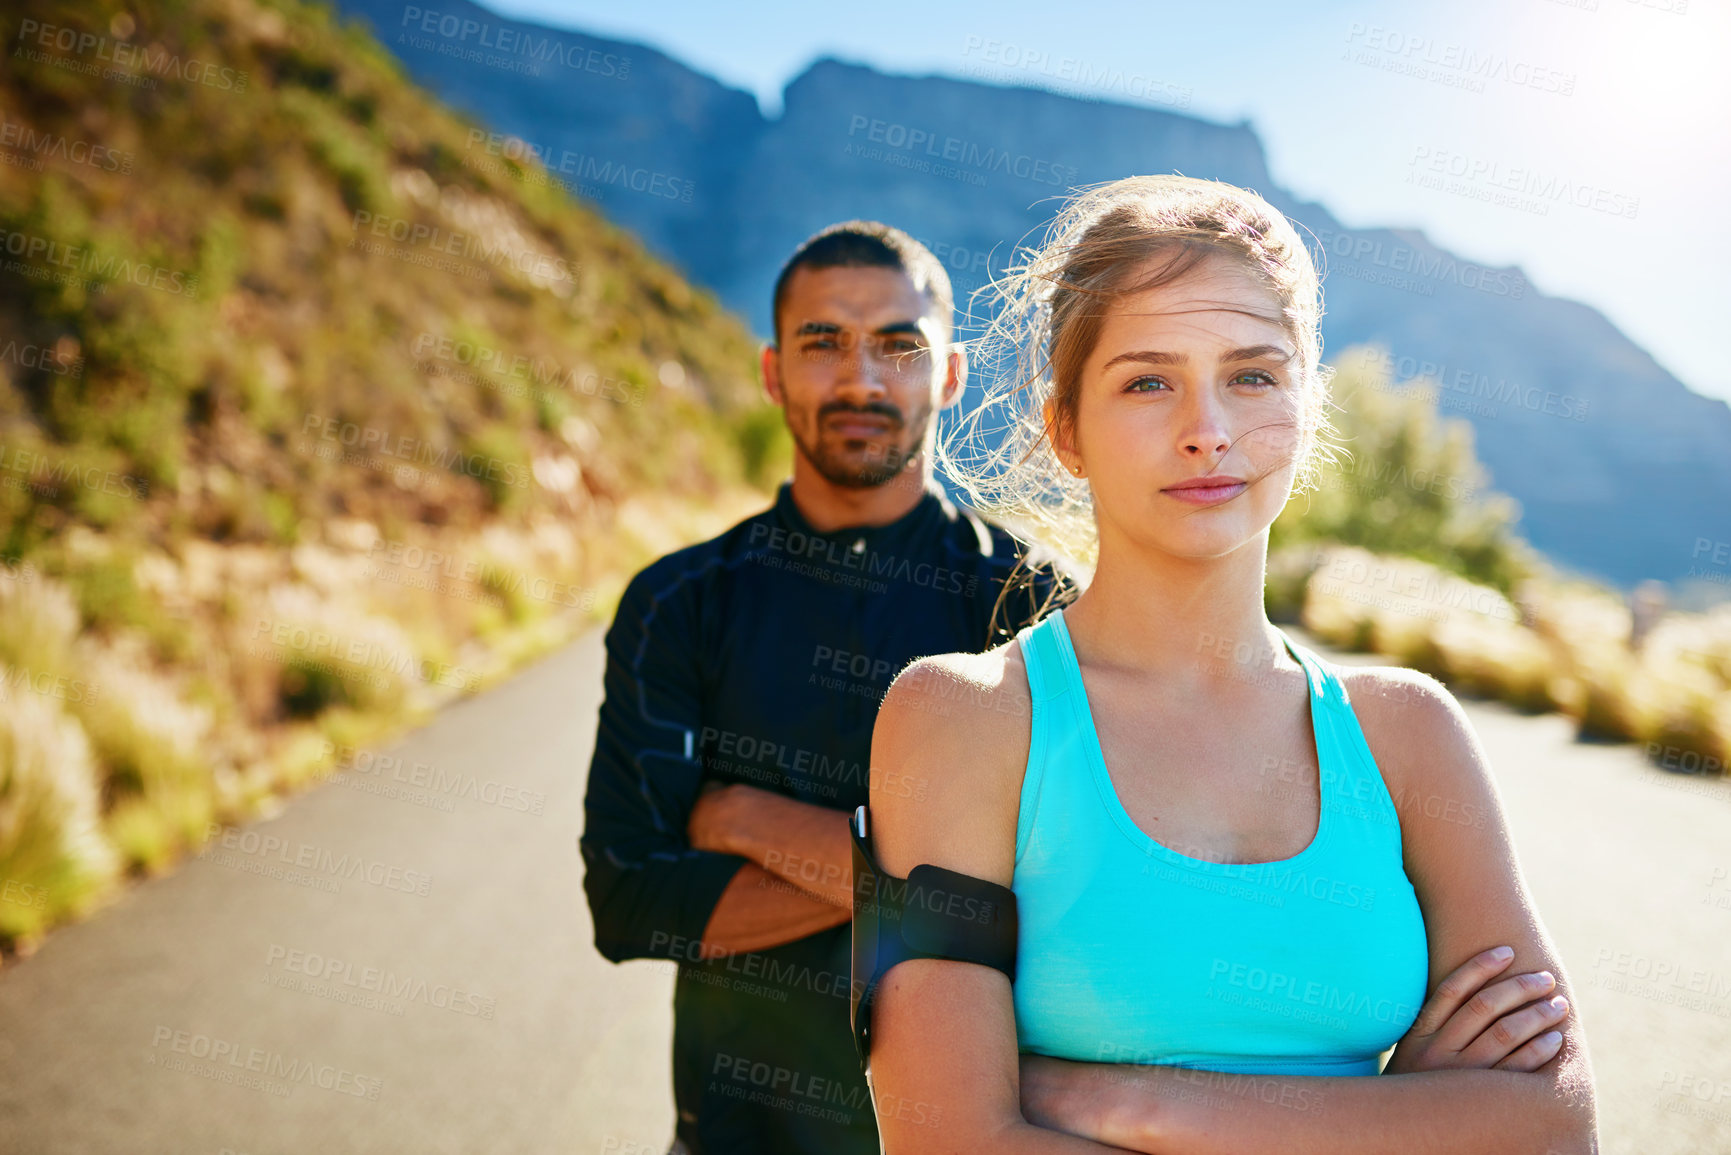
(444, 996)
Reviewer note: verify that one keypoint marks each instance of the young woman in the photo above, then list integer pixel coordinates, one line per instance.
(1242, 872)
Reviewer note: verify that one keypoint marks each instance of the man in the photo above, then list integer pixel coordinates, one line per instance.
(743, 678)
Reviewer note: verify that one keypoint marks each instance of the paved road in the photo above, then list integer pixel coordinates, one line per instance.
(502, 1030)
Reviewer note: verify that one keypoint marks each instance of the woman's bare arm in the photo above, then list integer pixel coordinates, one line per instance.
(944, 1032)
(1463, 868)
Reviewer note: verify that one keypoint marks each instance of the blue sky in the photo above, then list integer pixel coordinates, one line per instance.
(1627, 101)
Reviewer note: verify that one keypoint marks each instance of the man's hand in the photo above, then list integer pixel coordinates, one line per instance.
(714, 823)
(800, 843)
(1473, 1023)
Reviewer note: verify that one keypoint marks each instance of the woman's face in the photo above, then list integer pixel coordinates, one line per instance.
(1187, 418)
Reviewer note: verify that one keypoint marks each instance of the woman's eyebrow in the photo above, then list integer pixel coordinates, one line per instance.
(1159, 357)
(1149, 357)
(1258, 353)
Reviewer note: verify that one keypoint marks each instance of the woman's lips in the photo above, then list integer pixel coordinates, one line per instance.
(1206, 491)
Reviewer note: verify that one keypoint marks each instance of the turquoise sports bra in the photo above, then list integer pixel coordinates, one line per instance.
(1129, 952)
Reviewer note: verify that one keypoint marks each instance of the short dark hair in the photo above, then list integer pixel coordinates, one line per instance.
(869, 244)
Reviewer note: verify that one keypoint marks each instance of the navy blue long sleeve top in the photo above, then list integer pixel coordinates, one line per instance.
(761, 656)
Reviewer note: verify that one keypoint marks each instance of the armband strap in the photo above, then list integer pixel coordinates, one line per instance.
(932, 913)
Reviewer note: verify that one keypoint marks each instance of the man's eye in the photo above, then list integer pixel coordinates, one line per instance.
(1154, 383)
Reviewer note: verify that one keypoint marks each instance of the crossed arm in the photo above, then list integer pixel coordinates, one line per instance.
(677, 867)
(797, 879)
(945, 1032)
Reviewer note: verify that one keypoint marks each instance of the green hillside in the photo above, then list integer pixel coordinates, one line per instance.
(308, 419)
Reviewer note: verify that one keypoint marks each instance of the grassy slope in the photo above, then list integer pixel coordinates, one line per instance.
(177, 529)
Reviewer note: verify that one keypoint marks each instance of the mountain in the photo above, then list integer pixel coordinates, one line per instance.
(1563, 405)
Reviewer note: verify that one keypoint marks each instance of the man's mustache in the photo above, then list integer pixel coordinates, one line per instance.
(885, 410)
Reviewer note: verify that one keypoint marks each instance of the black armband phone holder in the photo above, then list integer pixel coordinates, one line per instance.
(932, 913)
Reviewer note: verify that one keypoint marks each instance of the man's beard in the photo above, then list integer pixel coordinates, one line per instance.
(879, 464)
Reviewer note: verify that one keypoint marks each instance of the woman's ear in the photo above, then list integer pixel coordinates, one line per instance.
(955, 374)
(1060, 436)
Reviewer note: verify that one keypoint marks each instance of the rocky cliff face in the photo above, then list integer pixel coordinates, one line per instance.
(1621, 471)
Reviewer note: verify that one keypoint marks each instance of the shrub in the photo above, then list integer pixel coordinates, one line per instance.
(53, 858)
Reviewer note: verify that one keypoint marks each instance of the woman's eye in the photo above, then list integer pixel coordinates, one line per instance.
(1154, 383)
(1254, 377)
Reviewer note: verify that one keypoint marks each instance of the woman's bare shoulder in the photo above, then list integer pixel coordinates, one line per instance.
(948, 752)
(1417, 731)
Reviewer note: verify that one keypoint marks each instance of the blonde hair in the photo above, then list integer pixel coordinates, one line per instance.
(1044, 331)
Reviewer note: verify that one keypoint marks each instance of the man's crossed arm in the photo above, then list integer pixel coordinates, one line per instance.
(798, 875)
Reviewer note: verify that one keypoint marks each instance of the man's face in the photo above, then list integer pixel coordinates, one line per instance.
(861, 367)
